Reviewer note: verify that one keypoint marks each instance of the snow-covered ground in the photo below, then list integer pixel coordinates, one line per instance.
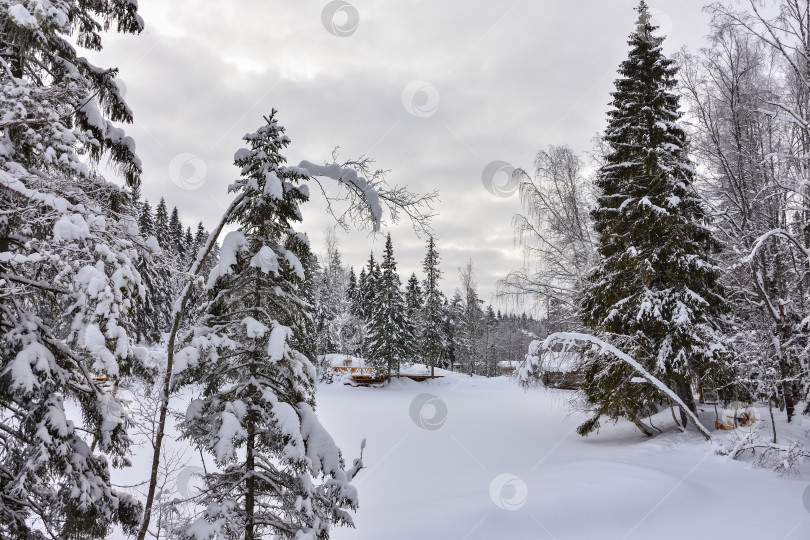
(479, 458)
(474, 458)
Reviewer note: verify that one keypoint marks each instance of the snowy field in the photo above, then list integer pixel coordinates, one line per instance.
(490, 461)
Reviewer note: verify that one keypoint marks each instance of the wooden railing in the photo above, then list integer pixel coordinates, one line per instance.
(355, 370)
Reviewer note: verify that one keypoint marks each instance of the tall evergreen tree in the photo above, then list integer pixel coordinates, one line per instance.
(451, 328)
(490, 346)
(654, 292)
(135, 200)
(188, 247)
(351, 290)
(176, 234)
(357, 304)
(431, 340)
(146, 223)
(413, 316)
(162, 231)
(387, 328)
(200, 238)
(67, 271)
(153, 309)
(368, 288)
(280, 473)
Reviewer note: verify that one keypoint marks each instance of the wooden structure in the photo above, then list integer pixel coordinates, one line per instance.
(565, 380)
(365, 375)
(362, 371)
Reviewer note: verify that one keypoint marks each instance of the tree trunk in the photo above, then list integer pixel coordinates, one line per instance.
(250, 481)
(639, 424)
(684, 391)
(672, 410)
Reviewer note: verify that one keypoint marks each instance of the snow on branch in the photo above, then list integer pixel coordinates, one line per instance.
(781, 458)
(777, 233)
(368, 194)
(569, 338)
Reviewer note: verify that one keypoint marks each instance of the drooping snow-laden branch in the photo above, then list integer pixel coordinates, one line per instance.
(368, 195)
(778, 233)
(569, 338)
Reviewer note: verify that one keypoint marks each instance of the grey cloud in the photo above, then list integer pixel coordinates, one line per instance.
(510, 82)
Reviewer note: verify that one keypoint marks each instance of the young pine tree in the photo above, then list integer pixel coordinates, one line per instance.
(280, 474)
(655, 291)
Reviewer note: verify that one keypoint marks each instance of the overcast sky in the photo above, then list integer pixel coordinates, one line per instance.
(433, 90)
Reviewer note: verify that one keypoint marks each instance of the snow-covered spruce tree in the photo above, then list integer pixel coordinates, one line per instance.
(188, 248)
(387, 327)
(146, 221)
(451, 330)
(153, 307)
(162, 230)
(351, 291)
(431, 340)
(176, 234)
(280, 474)
(654, 293)
(413, 317)
(367, 288)
(68, 244)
